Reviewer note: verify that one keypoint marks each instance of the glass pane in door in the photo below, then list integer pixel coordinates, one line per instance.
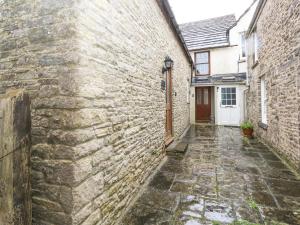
(199, 96)
(205, 96)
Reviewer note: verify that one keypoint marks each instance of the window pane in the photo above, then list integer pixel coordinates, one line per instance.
(202, 57)
(202, 68)
(233, 90)
(233, 96)
(205, 96)
(223, 102)
(198, 96)
(223, 90)
(264, 101)
(233, 102)
(228, 102)
(228, 96)
(243, 45)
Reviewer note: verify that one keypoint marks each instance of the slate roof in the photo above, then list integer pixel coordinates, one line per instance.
(207, 33)
(220, 79)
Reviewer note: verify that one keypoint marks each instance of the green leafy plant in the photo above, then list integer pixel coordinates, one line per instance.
(252, 204)
(247, 125)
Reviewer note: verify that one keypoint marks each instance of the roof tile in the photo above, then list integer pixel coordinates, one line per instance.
(207, 33)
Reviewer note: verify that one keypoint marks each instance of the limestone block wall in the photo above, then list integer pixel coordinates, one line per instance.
(93, 71)
(279, 61)
(122, 47)
(38, 53)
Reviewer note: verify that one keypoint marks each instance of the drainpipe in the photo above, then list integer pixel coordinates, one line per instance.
(239, 65)
(192, 68)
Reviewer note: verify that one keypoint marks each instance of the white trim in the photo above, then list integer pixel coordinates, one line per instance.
(263, 101)
(255, 40)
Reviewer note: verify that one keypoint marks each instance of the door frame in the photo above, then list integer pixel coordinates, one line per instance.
(169, 106)
(209, 99)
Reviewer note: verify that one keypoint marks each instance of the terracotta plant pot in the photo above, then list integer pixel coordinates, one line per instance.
(248, 132)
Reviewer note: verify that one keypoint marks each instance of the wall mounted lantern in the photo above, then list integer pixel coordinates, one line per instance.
(168, 64)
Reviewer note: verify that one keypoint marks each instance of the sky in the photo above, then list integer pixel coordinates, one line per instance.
(193, 10)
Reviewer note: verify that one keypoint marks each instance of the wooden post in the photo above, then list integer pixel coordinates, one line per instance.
(15, 126)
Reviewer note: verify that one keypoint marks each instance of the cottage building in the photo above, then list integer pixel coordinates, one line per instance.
(102, 109)
(218, 83)
(274, 65)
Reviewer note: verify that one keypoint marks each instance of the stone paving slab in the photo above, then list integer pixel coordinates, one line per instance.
(221, 179)
(178, 148)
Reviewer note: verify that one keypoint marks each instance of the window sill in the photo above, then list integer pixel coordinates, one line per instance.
(263, 125)
(254, 65)
(228, 106)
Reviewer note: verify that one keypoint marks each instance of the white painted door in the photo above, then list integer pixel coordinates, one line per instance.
(229, 105)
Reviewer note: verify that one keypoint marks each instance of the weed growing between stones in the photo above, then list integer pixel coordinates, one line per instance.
(252, 204)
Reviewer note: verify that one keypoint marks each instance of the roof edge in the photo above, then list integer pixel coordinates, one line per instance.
(257, 13)
(203, 20)
(164, 5)
(242, 15)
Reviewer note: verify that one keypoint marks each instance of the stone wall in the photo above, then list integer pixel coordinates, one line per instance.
(38, 53)
(93, 72)
(279, 61)
(123, 45)
(15, 195)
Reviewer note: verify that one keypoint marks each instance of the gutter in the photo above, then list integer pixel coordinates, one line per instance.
(207, 48)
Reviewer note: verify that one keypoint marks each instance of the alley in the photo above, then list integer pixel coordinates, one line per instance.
(221, 179)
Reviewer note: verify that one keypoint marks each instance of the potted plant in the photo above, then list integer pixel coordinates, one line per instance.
(247, 128)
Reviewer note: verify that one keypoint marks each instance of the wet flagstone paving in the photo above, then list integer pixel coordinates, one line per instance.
(221, 179)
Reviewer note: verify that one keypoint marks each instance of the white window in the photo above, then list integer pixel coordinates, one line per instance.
(255, 40)
(243, 45)
(263, 97)
(228, 96)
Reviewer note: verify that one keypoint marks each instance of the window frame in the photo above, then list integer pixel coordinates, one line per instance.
(221, 99)
(208, 63)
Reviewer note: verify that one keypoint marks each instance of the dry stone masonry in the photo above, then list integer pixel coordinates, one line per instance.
(93, 73)
(279, 62)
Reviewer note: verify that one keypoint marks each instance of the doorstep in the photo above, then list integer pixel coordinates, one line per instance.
(177, 148)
